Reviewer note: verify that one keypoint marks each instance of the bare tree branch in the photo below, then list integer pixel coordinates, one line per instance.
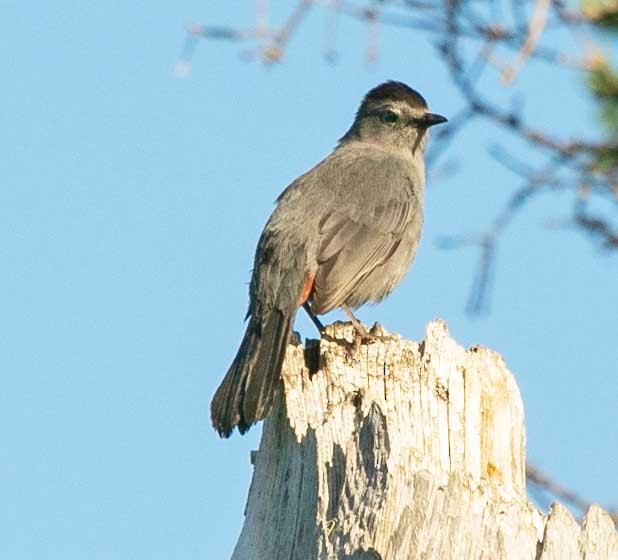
(472, 37)
(535, 476)
(483, 26)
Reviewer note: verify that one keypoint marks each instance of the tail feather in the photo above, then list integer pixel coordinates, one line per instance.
(248, 389)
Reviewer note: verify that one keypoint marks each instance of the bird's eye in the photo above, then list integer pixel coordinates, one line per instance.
(390, 117)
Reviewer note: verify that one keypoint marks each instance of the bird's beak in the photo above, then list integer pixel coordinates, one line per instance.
(431, 119)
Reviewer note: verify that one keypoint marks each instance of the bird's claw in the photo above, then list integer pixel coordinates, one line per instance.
(361, 336)
(375, 334)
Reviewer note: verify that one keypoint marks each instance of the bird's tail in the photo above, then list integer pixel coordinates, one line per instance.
(248, 389)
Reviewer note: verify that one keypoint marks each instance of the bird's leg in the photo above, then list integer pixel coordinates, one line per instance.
(362, 331)
(318, 324)
(362, 335)
(352, 348)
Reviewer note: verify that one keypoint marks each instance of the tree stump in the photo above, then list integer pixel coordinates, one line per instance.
(404, 451)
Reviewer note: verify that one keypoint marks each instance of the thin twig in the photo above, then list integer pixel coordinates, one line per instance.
(537, 477)
(535, 30)
(468, 36)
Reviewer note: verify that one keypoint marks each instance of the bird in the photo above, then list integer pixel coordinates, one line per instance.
(342, 235)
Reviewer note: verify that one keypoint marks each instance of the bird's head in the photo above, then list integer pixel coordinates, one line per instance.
(393, 115)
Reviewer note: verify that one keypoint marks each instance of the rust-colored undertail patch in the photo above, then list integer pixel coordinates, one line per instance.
(307, 288)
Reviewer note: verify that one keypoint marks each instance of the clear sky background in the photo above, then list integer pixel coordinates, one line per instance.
(130, 205)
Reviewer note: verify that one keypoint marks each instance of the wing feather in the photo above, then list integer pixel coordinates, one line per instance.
(354, 243)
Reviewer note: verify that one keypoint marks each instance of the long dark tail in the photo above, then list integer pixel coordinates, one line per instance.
(249, 387)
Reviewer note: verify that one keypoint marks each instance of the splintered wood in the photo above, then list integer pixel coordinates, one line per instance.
(403, 451)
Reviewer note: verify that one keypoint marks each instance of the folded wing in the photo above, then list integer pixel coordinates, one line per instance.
(355, 242)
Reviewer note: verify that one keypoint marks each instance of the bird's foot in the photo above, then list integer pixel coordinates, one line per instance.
(375, 334)
(361, 335)
(364, 336)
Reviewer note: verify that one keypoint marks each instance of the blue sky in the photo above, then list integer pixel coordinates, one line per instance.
(130, 205)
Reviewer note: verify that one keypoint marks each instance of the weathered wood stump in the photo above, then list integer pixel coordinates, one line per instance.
(404, 451)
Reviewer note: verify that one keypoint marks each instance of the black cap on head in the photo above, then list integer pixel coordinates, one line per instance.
(395, 91)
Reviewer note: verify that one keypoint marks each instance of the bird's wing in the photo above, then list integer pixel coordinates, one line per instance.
(356, 239)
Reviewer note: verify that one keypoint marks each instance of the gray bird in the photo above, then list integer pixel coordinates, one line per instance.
(342, 235)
